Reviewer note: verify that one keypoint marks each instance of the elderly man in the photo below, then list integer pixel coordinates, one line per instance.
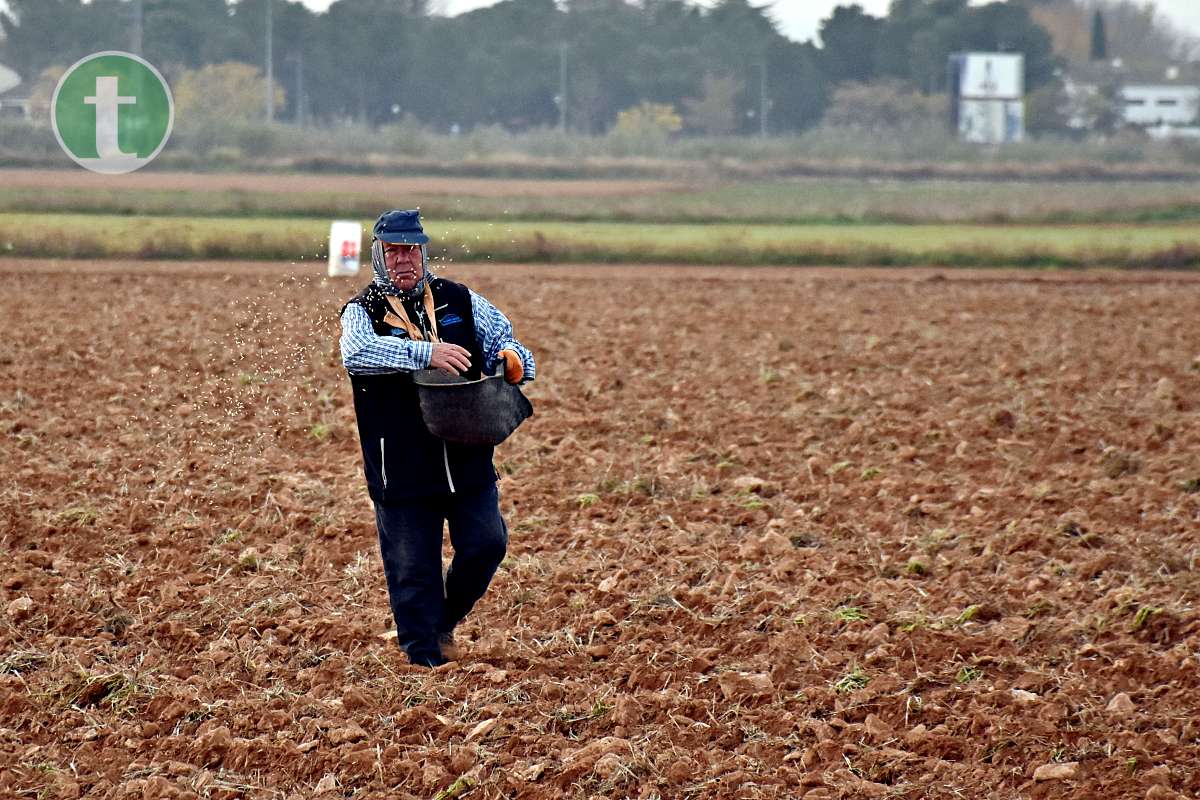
(408, 320)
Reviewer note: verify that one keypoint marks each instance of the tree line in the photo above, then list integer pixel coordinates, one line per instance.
(525, 64)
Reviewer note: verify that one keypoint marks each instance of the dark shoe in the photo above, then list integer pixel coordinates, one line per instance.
(450, 650)
(427, 659)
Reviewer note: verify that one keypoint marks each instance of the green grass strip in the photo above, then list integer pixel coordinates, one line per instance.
(98, 236)
(800, 201)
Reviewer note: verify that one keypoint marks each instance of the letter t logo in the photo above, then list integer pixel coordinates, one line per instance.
(103, 128)
(107, 102)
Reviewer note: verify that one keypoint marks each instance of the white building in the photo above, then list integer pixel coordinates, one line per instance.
(1163, 103)
(987, 96)
(10, 105)
(1155, 105)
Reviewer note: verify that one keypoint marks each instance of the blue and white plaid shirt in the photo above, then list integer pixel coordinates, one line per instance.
(364, 352)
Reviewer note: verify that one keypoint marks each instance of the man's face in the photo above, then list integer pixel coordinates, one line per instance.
(403, 263)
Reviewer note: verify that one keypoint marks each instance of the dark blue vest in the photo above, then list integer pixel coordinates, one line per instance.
(401, 458)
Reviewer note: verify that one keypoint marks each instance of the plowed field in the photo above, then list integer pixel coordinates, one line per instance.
(777, 533)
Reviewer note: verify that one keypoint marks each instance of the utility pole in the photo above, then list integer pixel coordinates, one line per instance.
(562, 87)
(300, 99)
(270, 69)
(135, 43)
(298, 58)
(763, 102)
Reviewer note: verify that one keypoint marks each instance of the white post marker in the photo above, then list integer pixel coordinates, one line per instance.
(345, 239)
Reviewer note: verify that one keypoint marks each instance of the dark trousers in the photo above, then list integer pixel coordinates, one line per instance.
(410, 540)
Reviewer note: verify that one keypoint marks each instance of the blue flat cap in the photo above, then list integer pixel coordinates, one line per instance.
(400, 227)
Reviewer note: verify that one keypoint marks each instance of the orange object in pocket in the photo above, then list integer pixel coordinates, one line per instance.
(514, 370)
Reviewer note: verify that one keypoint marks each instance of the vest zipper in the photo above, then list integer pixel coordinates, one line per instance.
(446, 461)
(382, 462)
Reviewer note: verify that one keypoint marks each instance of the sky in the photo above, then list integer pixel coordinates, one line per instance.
(799, 19)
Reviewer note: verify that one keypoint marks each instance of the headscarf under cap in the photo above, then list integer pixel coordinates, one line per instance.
(384, 281)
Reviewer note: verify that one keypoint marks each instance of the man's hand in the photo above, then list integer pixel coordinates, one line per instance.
(514, 370)
(450, 358)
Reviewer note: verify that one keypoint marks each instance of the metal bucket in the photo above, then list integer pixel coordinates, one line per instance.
(484, 411)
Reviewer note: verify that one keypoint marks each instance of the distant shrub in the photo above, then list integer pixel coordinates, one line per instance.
(407, 137)
(643, 130)
(198, 136)
(225, 155)
(1186, 150)
(920, 140)
(486, 140)
(255, 140)
(230, 92)
(18, 136)
(1127, 147)
(42, 92)
(648, 119)
(884, 106)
